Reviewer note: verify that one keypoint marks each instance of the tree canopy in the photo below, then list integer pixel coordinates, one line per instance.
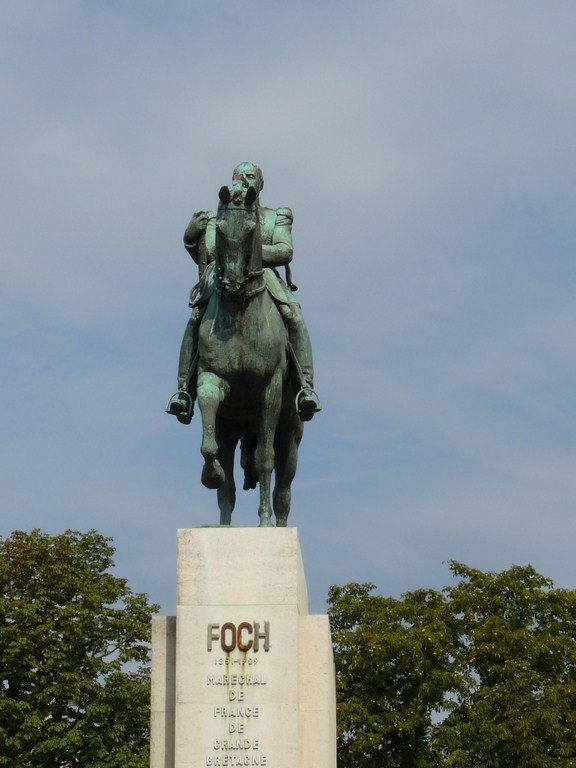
(481, 673)
(74, 644)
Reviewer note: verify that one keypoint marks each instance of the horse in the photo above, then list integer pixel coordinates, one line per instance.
(244, 387)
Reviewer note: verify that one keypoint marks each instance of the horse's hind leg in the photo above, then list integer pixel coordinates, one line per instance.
(209, 396)
(248, 448)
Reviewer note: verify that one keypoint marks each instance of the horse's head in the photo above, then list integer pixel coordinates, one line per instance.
(238, 245)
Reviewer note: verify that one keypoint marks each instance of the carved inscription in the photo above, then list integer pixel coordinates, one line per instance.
(231, 760)
(235, 684)
(235, 680)
(246, 636)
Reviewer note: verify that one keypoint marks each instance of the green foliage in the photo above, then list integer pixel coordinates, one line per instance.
(480, 674)
(74, 643)
(393, 669)
(517, 646)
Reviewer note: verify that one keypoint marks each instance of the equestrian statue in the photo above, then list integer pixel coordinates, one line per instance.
(246, 355)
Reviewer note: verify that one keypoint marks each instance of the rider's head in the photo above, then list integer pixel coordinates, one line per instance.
(249, 175)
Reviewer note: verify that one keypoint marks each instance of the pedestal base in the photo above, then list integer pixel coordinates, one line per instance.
(243, 675)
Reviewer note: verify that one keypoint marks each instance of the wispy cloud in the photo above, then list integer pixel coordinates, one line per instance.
(428, 152)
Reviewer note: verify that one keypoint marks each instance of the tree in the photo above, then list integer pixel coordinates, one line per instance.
(482, 673)
(74, 643)
(517, 650)
(393, 668)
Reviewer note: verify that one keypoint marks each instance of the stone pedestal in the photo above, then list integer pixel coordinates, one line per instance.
(243, 675)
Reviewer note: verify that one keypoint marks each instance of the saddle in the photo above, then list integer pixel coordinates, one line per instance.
(204, 288)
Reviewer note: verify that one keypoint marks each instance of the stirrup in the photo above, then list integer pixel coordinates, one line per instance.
(180, 405)
(307, 403)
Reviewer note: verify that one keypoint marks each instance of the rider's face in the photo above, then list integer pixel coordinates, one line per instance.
(246, 174)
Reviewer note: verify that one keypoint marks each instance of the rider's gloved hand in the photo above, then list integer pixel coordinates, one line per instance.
(197, 226)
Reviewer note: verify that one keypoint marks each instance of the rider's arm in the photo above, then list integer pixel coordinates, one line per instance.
(199, 236)
(193, 233)
(279, 252)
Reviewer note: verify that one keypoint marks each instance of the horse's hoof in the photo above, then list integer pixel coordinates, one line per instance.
(266, 522)
(281, 522)
(213, 477)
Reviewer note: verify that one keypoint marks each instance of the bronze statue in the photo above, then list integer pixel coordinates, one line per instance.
(246, 352)
(276, 237)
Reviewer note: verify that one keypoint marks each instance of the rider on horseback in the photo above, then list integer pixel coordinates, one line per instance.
(276, 233)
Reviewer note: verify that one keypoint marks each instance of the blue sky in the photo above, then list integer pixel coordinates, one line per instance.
(428, 151)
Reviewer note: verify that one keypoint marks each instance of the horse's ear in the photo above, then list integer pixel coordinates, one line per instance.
(224, 195)
(251, 195)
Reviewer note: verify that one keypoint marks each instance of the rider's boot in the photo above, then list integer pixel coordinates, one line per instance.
(307, 401)
(181, 405)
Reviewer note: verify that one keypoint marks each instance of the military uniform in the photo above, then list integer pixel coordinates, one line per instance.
(276, 236)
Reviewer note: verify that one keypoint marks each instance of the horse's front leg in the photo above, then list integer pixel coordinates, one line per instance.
(265, 508)
(209, 394)
(264, 455)
(288, 436)
(227, 439)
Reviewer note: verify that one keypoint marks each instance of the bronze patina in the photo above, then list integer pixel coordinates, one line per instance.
(246, 353)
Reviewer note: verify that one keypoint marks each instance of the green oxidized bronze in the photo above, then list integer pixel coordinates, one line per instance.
(246, 354)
